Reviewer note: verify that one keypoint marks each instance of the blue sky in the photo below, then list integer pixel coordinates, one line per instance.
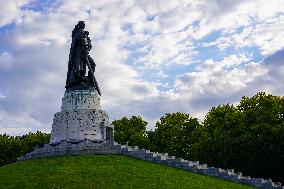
(153, 57)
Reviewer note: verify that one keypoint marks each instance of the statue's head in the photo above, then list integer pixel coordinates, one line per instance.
(81, 25)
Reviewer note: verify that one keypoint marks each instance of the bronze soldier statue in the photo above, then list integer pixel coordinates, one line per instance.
(79, 59)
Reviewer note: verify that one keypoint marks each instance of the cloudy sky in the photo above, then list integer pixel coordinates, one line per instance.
(153, 56)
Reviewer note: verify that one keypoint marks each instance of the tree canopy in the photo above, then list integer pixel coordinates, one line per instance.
(131, 131)
(173, 134)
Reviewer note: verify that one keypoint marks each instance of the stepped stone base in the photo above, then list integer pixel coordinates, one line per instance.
(78, 125)
(81, 118)
(87, 147)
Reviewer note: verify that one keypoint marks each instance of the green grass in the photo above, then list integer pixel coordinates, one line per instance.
(102, 171)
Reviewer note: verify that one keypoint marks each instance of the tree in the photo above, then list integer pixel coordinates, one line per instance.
(247, 137)
(131, 131)
(260, 109)
(173, 134)
(32, 140)
(262, 117)
(10, 149)
(13, 147)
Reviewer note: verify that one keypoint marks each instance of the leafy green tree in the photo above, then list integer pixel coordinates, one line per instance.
(10, 148)
(247, 137)
(262, 117)
(222, 121)
(173, 134)
(32, 140)
(221, 125)
(13, 147)
(131, 131)
(260, 109)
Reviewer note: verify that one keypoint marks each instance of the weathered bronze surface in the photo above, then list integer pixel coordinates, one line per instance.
(80, 60)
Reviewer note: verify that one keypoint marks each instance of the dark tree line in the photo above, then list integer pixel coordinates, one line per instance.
(12, 147)
(248, 137)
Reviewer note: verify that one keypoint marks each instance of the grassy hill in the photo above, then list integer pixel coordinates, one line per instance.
(102, 171)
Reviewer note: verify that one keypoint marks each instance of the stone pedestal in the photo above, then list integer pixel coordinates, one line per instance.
(81, 118)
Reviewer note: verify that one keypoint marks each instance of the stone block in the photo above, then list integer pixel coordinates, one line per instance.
(157, 158)
(141, 154)
(125, 151)
(277, 185)
(132, 150)
(184, 164)
(239, 174)
(193, 168)
(199, 168)
(202, 166)
(212, 171)
(171, 161)
(187, 165)
(223, 174)
(177, 162)
(230, 171)
(267, 183)
(149, 156)
(243, 179)
(256, 182)
(165, 154)
(194, 162)
(231, 176)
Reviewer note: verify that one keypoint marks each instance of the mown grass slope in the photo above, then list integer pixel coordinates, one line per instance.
(102, 171)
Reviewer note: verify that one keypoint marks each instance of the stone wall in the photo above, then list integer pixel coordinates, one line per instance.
(88, 147)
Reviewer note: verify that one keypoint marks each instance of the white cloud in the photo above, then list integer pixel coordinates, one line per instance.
(158, 36)
(220, 78)
(19, 124)
(231, 15)
(265, 35)
(10, 11)
(213, 83)
(167, 49)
